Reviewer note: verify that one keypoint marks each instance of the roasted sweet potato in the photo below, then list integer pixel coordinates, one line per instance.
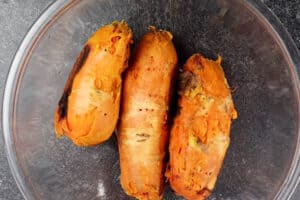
(88, 110)
(143, 128)
(200, 133)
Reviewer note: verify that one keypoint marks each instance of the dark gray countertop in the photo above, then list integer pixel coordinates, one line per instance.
(16, 17)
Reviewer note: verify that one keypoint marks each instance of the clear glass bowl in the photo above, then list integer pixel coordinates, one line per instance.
(260, 62)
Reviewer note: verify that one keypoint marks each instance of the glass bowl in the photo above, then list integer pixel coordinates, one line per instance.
(260, 62)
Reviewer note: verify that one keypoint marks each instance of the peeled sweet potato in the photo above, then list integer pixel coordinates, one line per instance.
(200, 133)
(143, 128)
(88, 110)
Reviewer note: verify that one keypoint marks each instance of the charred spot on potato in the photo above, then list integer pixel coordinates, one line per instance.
(179, 150)
(196, 60)
(63, 105)
(63, 102)
(143, 135)
(187, 81)
(126, 62)
(112, 48)
(178, 111)
(115, 39)
(80, 60)
(203, 192)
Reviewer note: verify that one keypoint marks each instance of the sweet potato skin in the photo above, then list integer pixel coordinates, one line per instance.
(200, 133)
(88, 110)
(143, 129)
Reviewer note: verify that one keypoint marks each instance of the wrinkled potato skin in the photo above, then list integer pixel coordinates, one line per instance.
(88, 110)
(200, 133)
(143, 128)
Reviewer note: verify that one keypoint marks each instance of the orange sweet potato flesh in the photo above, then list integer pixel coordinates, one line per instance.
(88, 110)
(143, 128)
(200, 133)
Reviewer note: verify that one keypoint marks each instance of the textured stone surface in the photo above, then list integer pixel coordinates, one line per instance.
(289, 14)
(16, 16)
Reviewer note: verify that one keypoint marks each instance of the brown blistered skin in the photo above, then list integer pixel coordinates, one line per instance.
(200, 133)
(88, 110)
(143, 130)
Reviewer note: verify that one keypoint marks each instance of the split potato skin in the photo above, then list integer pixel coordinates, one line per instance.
(88, 110)
(143, 127)
(200, 134)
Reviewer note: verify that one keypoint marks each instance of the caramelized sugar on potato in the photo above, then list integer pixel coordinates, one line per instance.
(200, 133)
(88, 110)
(143, 129)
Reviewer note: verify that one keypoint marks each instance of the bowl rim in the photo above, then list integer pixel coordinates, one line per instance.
(57, 8)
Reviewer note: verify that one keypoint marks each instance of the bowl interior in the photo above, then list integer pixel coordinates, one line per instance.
(263, 139)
